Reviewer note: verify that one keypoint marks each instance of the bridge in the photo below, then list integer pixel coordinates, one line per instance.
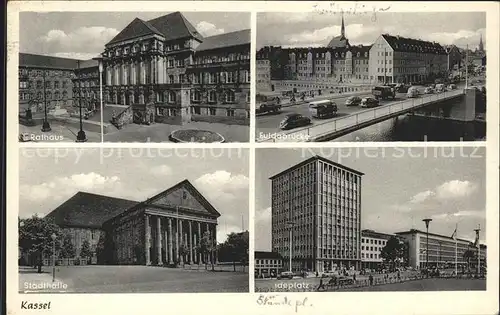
(361, 119)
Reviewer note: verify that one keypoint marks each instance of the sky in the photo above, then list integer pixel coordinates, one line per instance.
(83, 35)
(401, 186)
(48, 177)
(315, 29)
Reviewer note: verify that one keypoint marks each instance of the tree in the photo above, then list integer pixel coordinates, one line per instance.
(393, 251)
(183, 251)
(67, 248)
(35, 238)
(469, 255)
(207, 247)
(85, 251)
(236, 248)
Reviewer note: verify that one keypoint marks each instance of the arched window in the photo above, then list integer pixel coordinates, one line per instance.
(196, 96)
(230, 97)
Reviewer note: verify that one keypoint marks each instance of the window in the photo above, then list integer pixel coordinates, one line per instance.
(230, 97)
(23, 84)
(230, 77)
(39, 84)
(47, 84)
(248, 98)
(212, 97)
(247, 76)
(56, 95)
(171, 79)
(171, 97)
(212, 111)
(230, 112)
(195, 96)
(196, 110)
(170, 63)
(64, 95)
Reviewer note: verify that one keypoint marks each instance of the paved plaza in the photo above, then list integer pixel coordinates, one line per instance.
(132, 279)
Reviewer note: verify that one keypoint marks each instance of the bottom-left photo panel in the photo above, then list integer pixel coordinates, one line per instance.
(133, 220)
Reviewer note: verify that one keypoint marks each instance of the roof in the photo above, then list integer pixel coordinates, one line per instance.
(403, 44)
(415, 231)
(32, 60)
(267, 255)
(316, 158)
(174, 26)
(374, 234)
(89, 210)
(170, 26)
(91, 63)
(231, 39)
(338, 41)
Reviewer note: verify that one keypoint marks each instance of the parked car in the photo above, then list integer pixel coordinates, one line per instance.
(401, 88)
(368, 102)
(285, 275)
(353, 101)
(384, 92)
(428, 90)
(324, 108)
(412, 92)
(294, 120)
(452, 87)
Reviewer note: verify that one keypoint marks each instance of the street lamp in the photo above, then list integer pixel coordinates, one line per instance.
(81, 136)
(290, 225)
(427, 221)
(101, 70)
(53, 236)
(45, 125)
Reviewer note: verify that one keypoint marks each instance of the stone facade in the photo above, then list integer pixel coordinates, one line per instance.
(58, 91)
(86, 85)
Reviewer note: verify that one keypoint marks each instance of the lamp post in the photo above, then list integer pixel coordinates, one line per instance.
(290, 225)
(478, 251)
(53, 236)
(101, 66)
(45, 125)
(81, 136)
(427, 221)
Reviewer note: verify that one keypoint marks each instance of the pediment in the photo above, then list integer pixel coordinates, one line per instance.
(185, 196)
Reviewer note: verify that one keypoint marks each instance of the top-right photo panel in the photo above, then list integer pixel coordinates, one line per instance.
(333, 76)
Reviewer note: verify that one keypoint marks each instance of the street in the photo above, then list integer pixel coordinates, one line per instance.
(269, 123)
(129, 279)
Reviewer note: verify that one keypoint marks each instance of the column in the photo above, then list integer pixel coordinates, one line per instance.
(148, 240)
(181, 258)
(177, 241)
(170, 251)
(199, 242)
(215, 242)
(207, 227)
(158, 240)
(190, 243)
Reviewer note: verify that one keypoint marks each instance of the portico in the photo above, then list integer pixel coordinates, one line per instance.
(165, 230)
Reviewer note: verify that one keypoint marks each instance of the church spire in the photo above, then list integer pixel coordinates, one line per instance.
(342, 29)
(481, 43)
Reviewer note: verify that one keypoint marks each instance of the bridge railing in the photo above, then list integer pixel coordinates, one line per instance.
(360, 117)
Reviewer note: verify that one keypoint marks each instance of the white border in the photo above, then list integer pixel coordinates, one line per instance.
(241, 303)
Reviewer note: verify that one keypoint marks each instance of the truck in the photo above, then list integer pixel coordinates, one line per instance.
(325, 108)
(384, 92)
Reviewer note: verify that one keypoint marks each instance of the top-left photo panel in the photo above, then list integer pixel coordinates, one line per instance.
(159, 77)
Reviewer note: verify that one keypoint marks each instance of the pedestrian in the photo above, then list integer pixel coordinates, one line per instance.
(321, 285)
(354, 277)
(371, 279)
(317, 274)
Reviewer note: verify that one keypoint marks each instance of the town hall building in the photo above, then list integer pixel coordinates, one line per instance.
(164, 230)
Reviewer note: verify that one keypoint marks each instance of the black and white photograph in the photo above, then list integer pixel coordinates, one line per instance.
(134, 77)
(355, 219)
(133, 221)
(379, 76)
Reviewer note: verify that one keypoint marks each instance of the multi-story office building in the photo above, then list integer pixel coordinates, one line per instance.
(45, 80)
(441, 250)
(372, 244)
(263, 74)
(395, 59)
(267, 264)
(319, 202)
(156, 65)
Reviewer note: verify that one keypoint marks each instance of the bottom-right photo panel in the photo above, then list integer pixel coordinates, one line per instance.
(370, 219)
